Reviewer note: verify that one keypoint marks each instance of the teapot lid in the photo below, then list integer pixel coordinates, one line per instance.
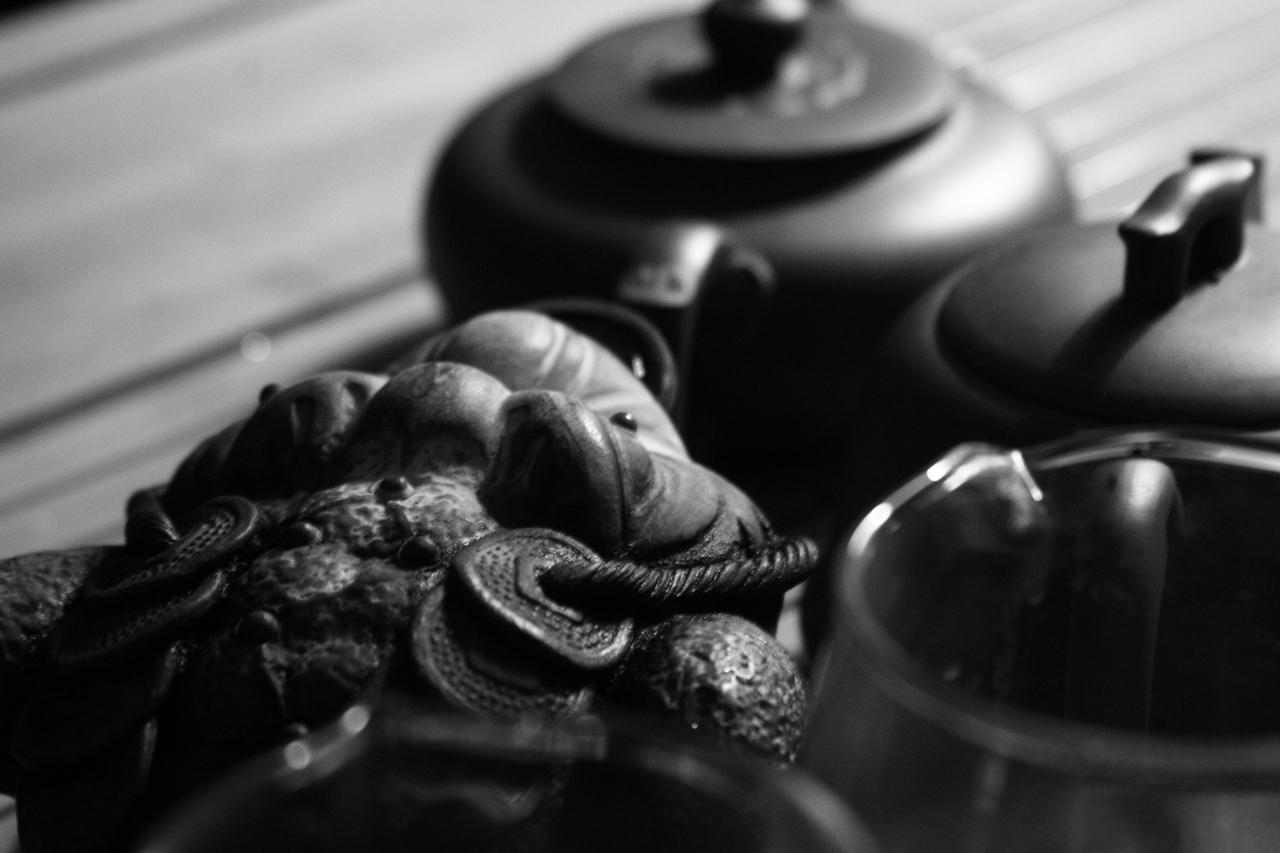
(755, 79)
(1175, 318)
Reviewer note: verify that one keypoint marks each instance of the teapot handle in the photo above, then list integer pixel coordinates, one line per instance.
(1190, 228)
(1130, 507)
(626, 334)
(686, 272)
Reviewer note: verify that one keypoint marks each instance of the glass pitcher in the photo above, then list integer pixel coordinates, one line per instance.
(399, 778)
(1073, 647)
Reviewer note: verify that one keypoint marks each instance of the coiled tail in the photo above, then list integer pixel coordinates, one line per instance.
(774, 565)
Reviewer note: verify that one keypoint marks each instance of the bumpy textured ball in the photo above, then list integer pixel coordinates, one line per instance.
(721, 672)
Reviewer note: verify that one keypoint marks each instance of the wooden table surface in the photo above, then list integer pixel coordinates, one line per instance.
(198, 198)
(202, 197)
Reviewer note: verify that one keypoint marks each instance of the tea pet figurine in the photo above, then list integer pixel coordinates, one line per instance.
(505, 521)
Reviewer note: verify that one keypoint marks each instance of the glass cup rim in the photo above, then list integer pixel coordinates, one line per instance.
(1024, 735)
(591, 737)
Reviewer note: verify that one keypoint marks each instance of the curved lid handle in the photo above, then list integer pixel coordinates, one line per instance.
(686, 270)
(1190, 229)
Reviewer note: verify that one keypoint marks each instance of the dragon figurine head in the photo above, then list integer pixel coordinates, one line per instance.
(506, 521)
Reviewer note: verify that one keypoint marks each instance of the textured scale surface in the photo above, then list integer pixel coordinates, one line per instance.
(478, 671)
(365, 532)
(502, 572)
(223, 526)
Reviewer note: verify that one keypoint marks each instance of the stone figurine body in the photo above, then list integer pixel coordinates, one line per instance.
(505, 521)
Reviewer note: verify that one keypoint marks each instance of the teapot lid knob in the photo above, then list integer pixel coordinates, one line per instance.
(754, 80)
(749, 38)
(1190, 228)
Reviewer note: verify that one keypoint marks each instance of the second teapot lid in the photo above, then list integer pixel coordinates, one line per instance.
(1173, 318)
(755, 79)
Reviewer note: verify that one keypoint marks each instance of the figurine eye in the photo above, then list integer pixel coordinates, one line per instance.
(626, 420)
(393, 488)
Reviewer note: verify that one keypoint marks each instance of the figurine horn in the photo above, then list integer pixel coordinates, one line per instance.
(148, 529)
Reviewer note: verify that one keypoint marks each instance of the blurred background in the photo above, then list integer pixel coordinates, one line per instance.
(199, 198)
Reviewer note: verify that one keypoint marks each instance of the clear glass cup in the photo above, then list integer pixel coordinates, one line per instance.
(398, 779)
(1075, 647)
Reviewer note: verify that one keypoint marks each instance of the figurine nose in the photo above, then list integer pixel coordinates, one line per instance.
(560, 465)
(432, 418)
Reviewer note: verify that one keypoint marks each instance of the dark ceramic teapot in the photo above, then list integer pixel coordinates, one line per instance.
(772, 180)
(1171, 318)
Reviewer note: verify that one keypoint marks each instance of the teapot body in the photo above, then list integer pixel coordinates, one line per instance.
(1167, 318)
(919, 400)
(524, 204)
(1075, 328)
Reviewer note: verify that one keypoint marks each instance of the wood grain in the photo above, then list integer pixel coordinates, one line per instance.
(176, 176)
(174, 203)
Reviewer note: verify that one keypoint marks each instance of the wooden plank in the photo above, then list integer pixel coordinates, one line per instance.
(159, 231)
(1112, 180)
(1005, 28)
(1002, 28)
(233, 185)
(1091, 120)
(1109, 46)
(179, 202)
(65, 482)
(55, 43)
(922, 18)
